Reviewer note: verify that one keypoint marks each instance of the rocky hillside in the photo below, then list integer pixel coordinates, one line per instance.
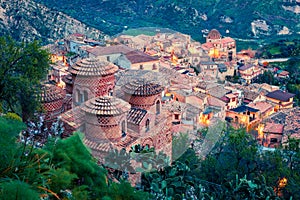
(240, 18)
(27, 20)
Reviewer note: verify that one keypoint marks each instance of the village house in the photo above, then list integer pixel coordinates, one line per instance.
(271, 134)
(265, 108)
(243, 115)
(249, 71)
(208, 68)
(281, 99)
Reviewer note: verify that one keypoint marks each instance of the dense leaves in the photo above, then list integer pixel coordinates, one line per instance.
(62, 168)
(22, 67)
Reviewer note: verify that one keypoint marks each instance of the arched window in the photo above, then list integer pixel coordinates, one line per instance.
(147, 125)
(85, 94)
(79, 96)
(123, 128)
(157, 107)
(110, 92)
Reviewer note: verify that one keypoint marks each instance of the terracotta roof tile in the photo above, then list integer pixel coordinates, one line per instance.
(106, 106)
(51, 93)
(136, 115)
(142, 87)
(139, 57)
(114, 49)
(280, 95)
(273, 128)
(93, 67)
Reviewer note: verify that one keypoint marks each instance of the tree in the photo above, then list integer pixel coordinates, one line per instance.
(22, 68)
(59, 169)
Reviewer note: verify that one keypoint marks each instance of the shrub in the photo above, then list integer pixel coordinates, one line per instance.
(13, 116)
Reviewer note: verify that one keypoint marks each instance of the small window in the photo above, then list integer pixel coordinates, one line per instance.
(273, 140)
(141, 67)
(176, 116)
(108, 58)
(85, 94)
(147, 125)
(158, 107)
(123, 128)
(154, 67)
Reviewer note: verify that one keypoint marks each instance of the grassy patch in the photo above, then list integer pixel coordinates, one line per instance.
(135, 32)
(275, 50)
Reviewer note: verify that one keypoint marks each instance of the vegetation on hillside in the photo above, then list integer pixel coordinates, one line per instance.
(189, 17)
(283, 49)
(236, 168)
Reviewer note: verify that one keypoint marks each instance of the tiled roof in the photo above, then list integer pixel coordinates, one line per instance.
(139, 57)
(136, 115)
(214, 34)
(230, 95)
(273, 128)
(68, 79)
(245, 67)
(199, 95)
(244, 109)
(51, 93)
(114, 49)
(290, 118)
(213, 101)
(227, 40)
(73, 117)
(250, 95)
(206, 85)
(93, 67)
(262, 106)
(102, 146)
(218, 91)
(142, 87)
(280, 95)
(106, 105)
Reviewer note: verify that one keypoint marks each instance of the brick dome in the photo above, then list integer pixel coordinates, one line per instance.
(104, 117)
(52, 101)
(51, 93)
(141, 93)
(141, 87)
(93, 67)
(214, 34)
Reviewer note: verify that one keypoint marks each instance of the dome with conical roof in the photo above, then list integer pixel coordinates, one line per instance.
(106, 106)
(214, 34)
(51, 93)
(93, 67)
(52, 98)
(141, 87)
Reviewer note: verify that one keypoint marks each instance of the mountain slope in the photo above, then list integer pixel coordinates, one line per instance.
(27, 20)
(243, 18)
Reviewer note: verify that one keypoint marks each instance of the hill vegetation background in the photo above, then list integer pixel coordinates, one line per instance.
(190, 17)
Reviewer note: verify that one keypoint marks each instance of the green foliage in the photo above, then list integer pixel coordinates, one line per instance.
(13, 116)
(283, 48)
(22, 67)
(185, 16)
(242, 188)
(63, 168)
(17, 190)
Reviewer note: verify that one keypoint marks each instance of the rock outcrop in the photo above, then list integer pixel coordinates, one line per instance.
(26, 20)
